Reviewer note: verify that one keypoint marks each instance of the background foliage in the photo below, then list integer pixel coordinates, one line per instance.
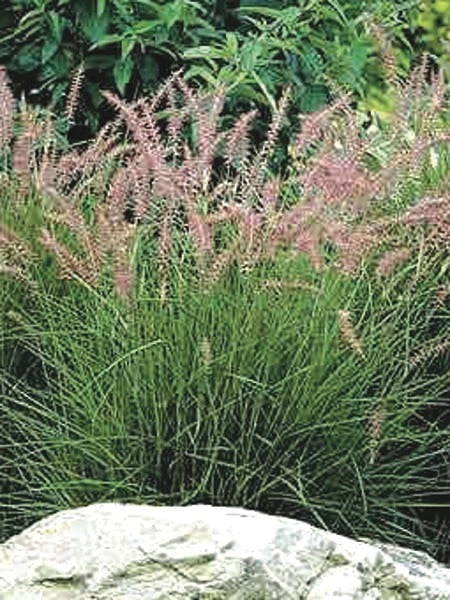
(430, 22)
(253, 47)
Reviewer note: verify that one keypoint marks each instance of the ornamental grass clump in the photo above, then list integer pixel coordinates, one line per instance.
(240, 365)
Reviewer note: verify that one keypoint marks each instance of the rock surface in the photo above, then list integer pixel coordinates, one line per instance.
(125, 552)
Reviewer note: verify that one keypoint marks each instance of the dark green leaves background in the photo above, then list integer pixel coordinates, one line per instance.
(253, 47)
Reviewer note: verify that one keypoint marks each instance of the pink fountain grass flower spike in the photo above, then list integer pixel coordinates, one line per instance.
(70, 265)
(23, 150)
(207, 124)
(238, 139)
(26, 155)
(21, 156)
(281, 285)
(433, 216)
(308, 241)
(390, 261)
(270, 194)
(175, 79)
(74, 93)
(176, 119)
(231, 212)
(260, 167)
(111, 238)
(70, 215)
(118, 196)
(47, 173)
(376, 423)
(431, 211)
(142, 125)
(429, 352)
(353, 243)
(388, 57)
(418, 80)
(337, 180)
(15, 255)
(251, 248)
(347, 332)
(218, 265)
(140, 174)
(7, 106)
(250, 227)
(201, 234)
(82, 166)
(316, 124)
(438, 87)
(168, 183)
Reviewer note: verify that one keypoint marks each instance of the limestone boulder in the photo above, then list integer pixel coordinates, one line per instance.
(126, 551)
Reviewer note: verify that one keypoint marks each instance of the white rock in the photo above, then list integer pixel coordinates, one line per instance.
(125, 552)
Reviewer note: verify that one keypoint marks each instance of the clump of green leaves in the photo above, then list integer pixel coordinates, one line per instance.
(127, 45)
(253, 48)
